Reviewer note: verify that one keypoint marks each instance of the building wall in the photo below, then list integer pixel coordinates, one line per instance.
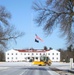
(14, 55)
(54, 55)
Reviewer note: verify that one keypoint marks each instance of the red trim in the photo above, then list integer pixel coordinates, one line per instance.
(33, 50)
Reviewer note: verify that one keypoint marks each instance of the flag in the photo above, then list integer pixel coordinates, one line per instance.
(38, 38)
(36, 41)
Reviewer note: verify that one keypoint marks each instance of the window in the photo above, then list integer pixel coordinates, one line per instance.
(57, 58)
(43, 53)
(16, 57)
(36, 57)
(52, 53)
(36, 53)
(24, 58)
(28, 54)
(12, 53)
(16, 53)
(24, 53)
(12, 57)
(56, 53)
(7, 53)
(28, 57)
(52, 57)
(48, 53)
(32, 54)
(40, 53)
(8, 58)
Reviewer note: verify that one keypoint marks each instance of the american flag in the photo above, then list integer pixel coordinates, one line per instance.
(38, 38)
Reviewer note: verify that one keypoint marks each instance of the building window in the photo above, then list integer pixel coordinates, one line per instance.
(36, 53)
(16, 53)
(24, 53)
(12, 57)
(16, 57)
(52, 53)
(28, 57)
(52, 57)
(12, 53)
(43, 53)
(7, 53)
(24, 58)
(56, 53)
(57, 58)
(28, 54)
(32, 54)
(48, 53)
(8, 58)
(36, 57)
(40, 53)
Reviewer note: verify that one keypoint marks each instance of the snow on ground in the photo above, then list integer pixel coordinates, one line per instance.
(59, 65)
(10, 64)
(2, 68)
(62, 66)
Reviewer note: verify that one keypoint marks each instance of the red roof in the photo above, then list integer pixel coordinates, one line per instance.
(28, 50)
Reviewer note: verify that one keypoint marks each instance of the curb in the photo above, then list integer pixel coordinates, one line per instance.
(70, 71)
(56, 69)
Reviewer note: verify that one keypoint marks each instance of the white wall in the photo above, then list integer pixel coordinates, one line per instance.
(54, 55)
(14, 55)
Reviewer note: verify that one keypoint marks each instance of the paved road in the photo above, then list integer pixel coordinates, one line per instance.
(27, 70)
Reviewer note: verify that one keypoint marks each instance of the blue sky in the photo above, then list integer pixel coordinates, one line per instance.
(22, 18)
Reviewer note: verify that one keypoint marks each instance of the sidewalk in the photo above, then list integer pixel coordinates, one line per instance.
(2, 68)
(64, 67)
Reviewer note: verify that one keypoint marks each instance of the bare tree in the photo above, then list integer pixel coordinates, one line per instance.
(7, 31)
(56, 13)
(2, 55)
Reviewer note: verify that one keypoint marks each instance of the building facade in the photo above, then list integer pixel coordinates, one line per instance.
(28, 54)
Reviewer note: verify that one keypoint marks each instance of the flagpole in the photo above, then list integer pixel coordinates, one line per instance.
(31, 28)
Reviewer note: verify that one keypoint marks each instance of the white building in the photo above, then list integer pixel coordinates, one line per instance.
(27, 54)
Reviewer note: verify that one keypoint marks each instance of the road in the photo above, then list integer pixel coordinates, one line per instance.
(27, 70)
